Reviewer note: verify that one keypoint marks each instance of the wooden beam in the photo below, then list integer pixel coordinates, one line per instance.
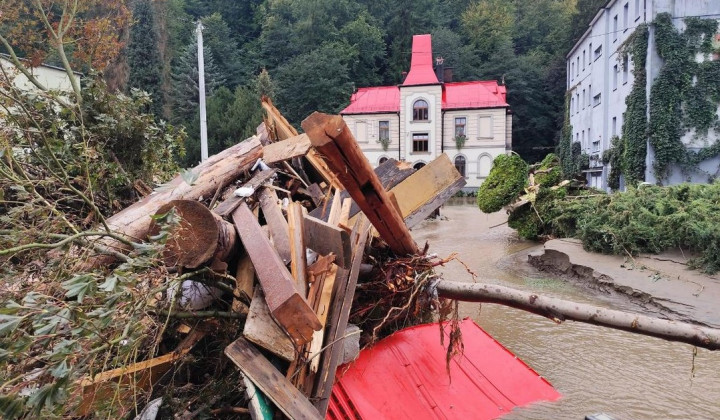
(270, 381)
(286, 149)
(244, 282)
(324, 238)
(279, 230)
(261, 329)
(229, 205)
(298, 263)
(331, 137)
(391, 173)
(287, 306)
(342, 302)
(285, 130)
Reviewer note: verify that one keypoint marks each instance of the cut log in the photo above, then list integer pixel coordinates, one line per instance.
(324, 238)
(200, 236)
(216, 172)
(331, 137)
(298, 259)
(229, 205)
(279, 229)
(343, 294)
(287, 306)
(560, 310)
(270, 381)
(286, 149)
(261, 329)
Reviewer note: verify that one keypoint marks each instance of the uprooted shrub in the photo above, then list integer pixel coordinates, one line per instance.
(505, 182)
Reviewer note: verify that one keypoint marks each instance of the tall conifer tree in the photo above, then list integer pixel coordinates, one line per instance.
(144, 61)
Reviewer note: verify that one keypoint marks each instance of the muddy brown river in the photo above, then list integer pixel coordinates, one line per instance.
(598, 370)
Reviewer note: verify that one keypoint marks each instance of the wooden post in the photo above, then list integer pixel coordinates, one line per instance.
(287, 306)
(331, 137)
(298, 259)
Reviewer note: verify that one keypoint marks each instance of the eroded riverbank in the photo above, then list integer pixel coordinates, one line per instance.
(597, 369)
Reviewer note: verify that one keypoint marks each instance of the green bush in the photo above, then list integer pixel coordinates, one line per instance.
(504, 184)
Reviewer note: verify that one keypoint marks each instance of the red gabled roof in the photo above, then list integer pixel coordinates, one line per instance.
(482, 94)
(403, 377)
(421, 62)
(371, 100)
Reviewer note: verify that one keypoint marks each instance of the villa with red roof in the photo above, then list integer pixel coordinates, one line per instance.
(428, 115)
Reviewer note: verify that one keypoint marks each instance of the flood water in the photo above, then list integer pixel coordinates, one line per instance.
(597, 370)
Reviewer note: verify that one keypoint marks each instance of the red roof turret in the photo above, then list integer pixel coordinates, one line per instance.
(421, 63)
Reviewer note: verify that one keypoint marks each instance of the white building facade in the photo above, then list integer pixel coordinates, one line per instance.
(600, 77)
(53, 78)
(427, 115)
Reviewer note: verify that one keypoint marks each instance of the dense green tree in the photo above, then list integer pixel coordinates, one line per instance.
(315, 81)
(488, 25)
(143, 56)
(225, 52)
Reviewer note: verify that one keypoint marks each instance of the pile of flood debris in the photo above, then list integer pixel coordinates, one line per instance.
(308, 246)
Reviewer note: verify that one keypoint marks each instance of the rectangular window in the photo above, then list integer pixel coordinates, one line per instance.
(598, 52)
(361, 131)
(614, 126)
(583, 99)
(572, 71)
(615, 28)
(577, 102)
(626, 68)
(460, 126)
(572, 104)
(578, 67)
(485, 127)
(614, 77)
(420, 142)
(384, 131)
(582, 140)
(596, 100)
(638, 9)
(583, 60)
(589, 137)
(626, 12)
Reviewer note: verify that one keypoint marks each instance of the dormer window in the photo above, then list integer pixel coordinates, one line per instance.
(420, 110)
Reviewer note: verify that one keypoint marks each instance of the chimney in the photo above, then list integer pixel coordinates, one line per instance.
(448, 74)
(440, 69)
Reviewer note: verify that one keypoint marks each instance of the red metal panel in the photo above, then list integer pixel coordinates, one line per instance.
(421, 62)
(404, 377)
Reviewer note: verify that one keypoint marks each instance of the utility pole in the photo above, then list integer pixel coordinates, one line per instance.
(201, 86)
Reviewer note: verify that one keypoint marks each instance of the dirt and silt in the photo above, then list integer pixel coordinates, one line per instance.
(627, 376)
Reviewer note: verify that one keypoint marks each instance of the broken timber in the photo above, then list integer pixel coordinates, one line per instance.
(287, 306)
(262, 330)
(324, 238)
(331, 137)
(270, 381)
(226, 208)
(286, 149)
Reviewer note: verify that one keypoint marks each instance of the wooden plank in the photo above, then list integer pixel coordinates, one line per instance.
(391, 173)
(285, 130)
(298, 263)
(261, 329)
(286, 149)
(279, 230)
(324, 238)
(244, 282)
(141, 375)
(342, 302)
(427, 189)
(270, 381)
(332, 138)
(287, 306)
(226, 207)
(316, 194)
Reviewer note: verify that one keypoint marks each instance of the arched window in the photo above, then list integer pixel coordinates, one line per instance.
(418, 165)
(382, 160)
(484, 165)
(460, 165)
(420, 110)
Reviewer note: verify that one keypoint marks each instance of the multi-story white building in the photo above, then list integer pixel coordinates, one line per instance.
(427, 114)
(600, 77)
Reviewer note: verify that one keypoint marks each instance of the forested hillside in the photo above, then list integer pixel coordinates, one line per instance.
(316, 52)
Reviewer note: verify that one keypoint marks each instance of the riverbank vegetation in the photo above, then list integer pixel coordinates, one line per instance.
(648, 218)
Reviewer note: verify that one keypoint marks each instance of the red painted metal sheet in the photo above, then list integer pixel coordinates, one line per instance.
(374, 100)
(421, 62)
(404, 377)
(481, 94)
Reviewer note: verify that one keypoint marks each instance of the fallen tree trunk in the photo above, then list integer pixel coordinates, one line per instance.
(216, 172)
(560, 310)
